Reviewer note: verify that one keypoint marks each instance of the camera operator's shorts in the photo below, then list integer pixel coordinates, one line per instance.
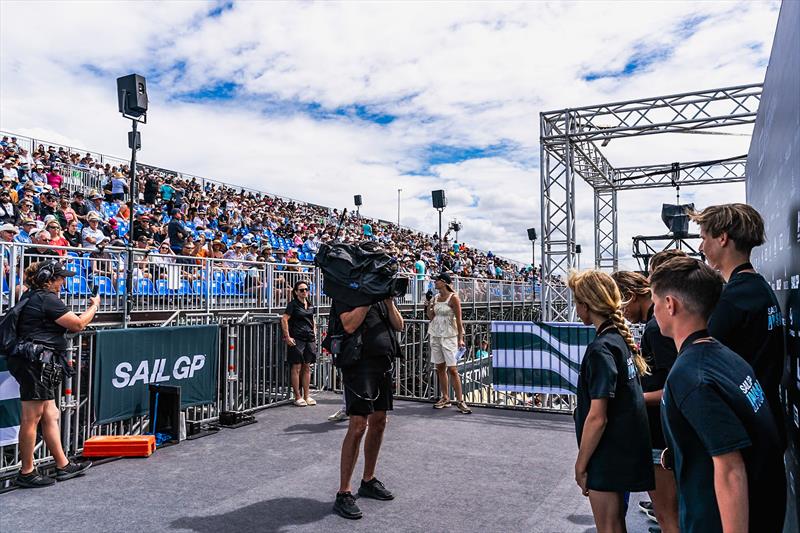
(29, 376)
(302, 352)
(443, 350)
(367, 392)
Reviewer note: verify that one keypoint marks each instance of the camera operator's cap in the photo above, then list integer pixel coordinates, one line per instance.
(61, 271)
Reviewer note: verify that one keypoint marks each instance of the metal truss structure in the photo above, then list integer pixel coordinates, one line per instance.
(569, 148)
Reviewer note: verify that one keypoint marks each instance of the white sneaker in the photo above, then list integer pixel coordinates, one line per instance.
(311, 401)
(300, 402)
(338, 416)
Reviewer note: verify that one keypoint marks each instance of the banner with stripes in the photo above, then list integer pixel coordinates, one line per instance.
(537, 356)
(10, 407)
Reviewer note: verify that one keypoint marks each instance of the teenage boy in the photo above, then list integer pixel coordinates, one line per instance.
(727, 454)
(747, 318)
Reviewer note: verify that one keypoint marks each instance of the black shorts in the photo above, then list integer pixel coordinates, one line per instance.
(29, 376)
(302, 352)
(367, 392)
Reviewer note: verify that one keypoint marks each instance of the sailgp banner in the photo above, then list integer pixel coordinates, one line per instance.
(128, 360)
(538, 356)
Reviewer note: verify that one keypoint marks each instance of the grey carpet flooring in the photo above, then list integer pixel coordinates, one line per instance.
(490, 471)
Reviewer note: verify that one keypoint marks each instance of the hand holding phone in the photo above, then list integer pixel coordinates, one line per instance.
(429, 295)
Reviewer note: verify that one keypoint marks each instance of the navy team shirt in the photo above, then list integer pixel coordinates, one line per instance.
(713, 405)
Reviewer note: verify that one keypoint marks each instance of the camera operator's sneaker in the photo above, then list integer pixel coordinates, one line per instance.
(345, 506)
(72, 470)
(374, 489)
(338, 416)
(33, 480)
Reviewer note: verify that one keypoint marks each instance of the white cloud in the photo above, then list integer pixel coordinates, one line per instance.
(464, 74)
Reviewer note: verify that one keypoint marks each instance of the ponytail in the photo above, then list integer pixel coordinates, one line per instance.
(619, 322)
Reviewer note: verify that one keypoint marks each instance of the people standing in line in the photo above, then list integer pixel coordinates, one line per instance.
(614, 450)
(446, 332)
(747, 318)
(659, 353)
(368, 396)
(299, 333)
(38, 364)
(724, 443)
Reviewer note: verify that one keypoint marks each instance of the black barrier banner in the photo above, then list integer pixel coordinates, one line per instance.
(128, 360)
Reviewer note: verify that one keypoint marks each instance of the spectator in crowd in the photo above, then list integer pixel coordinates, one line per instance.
(80, 206)
(177, 231)
(96, 207)
(725, 446)
(92, 234)
(748, 318)
(56, 238)
(28, 226)
(48, 205)
(26, 209)
(446, 332)
(54, 179)
(9, 214)
(614, 450)
(73, 235)
(299, 333)
(8, 186)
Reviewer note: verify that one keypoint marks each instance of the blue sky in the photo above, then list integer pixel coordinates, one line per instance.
(320, 101)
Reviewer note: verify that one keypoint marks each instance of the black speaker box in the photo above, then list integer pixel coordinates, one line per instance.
(132, 93)
(357, 200)
(531, 234)
(439, 199)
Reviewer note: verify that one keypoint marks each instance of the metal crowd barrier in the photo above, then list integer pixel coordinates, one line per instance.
(170, 282)
(252, 375)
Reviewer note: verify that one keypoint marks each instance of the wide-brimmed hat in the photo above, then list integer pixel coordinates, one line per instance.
(9, 227)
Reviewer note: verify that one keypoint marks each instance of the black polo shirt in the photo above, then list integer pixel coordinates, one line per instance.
(301, 320)
(37, 321)
(748, 320)
(378, 348)
(713, 405)
(623, 460)
(660, 353)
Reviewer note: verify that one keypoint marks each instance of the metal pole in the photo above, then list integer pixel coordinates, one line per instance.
(398, 206)
(440, 240)
(134, 195)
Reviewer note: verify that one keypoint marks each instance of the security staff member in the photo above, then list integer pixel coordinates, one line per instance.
(614, 454)
(747, 318)
(38, 364)
(728, 456)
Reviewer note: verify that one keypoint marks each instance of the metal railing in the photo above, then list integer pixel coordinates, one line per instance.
(251, 375)
(170, 282)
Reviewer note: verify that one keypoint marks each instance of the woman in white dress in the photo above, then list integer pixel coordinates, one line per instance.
(447, 338)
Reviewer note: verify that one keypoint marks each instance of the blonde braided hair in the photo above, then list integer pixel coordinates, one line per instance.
(601, 295)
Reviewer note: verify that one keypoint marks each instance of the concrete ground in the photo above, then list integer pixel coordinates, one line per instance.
(494, 470)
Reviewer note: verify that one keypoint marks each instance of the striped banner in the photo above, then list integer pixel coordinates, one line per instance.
(538, 357)
(9, 406)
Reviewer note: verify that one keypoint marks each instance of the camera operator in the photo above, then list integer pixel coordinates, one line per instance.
(368, 395)
(38, 363)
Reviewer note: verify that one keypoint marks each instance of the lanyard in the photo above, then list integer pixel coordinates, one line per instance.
(694, 337)
(743, 266)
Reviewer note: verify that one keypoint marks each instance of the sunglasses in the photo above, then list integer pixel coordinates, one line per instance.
(53, 227)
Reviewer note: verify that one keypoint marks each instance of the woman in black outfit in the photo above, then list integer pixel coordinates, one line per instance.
(38, 364)
(614, 454)
(300, 335)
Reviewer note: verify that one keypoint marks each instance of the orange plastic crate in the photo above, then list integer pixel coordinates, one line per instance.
(120, 446)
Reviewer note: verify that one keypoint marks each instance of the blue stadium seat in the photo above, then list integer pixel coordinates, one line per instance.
(162, 287)
(77, 285)
(185, 287)
(236, 276)
(219, 276)
(199, 287)
(143, 286)
(104, 285)
(217, 288)
(233, 289)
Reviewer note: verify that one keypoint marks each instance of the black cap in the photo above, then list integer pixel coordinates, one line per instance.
(58, 269)
(444, 276)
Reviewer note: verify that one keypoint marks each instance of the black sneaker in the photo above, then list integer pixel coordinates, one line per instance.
(345, 506)
(72, 470)
(374, 489)
(645, 506)
(33, 480)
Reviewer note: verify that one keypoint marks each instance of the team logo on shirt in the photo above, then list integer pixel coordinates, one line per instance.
(774, 317)
(755, 394)
(631, 368)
